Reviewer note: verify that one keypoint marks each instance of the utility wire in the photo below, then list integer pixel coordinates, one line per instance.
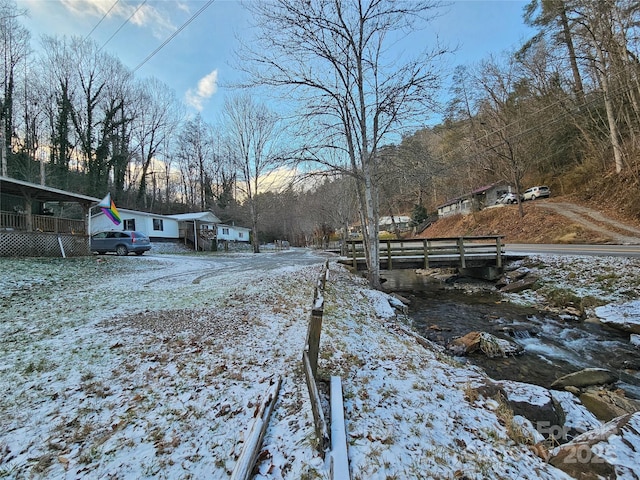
(174, 34)
(123, 24)
(103, 17)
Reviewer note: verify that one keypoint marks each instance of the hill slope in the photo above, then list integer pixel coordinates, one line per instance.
(556, 220)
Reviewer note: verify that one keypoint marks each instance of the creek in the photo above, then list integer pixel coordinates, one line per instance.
(553, 346)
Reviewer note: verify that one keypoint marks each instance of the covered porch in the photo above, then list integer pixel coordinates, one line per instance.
(40, 221)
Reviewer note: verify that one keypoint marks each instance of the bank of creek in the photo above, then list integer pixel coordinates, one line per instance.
(553, 344)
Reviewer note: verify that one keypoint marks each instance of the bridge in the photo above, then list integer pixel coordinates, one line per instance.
(478, 256)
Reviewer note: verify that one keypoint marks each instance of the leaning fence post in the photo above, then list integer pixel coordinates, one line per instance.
(315, 327)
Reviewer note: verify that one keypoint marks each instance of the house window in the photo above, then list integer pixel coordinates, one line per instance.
(129, 224)
(225, 231)
(240, 234)
(157, 224)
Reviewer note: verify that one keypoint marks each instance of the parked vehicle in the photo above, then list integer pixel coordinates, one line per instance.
(507, 198)
(536, 192)
(122, 242)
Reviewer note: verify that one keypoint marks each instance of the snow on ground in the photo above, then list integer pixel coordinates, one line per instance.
(153, 366)
(624, 315)
(595, 281)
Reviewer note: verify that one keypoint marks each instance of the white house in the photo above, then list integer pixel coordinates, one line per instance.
(476, 200)
(156, 227)
(199, 229)
(397, 222)
(232, 233)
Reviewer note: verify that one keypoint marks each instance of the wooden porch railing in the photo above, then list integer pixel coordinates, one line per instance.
(11, 221)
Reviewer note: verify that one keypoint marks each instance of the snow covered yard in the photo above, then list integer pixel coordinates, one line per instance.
(152, 367)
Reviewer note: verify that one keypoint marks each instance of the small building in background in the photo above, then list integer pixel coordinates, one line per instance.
(475, 200)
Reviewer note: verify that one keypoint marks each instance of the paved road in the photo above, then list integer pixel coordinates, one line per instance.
(631, 251)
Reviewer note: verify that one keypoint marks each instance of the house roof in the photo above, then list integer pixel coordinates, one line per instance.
(478, 190)
(136, 212)
(395, 219)
(235, 227)
(41, 193)
(205, 217)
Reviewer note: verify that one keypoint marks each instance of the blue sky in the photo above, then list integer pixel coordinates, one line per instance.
(197, 62)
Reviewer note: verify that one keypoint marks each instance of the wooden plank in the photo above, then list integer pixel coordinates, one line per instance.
(253, 442)
(339, 455)
(319, 422)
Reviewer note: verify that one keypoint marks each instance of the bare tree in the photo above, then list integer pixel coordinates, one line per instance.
(336, 57)
(195, 152)
(157, 115)
(500, 118)
(253, 134)
(14, 48)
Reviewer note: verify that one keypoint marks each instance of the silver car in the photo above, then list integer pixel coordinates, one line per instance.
(122, 242)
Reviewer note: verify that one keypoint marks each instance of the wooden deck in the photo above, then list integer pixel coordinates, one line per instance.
(464, 253)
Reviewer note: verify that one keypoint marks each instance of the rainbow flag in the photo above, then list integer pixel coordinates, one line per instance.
(109, 209)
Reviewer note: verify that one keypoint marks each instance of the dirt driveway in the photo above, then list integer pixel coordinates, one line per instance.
(596, 221)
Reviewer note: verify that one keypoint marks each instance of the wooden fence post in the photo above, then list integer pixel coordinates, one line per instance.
(389, 265)
(315, 327)
(498, 252)
(355, 260)
(425, 243)
(463, 263)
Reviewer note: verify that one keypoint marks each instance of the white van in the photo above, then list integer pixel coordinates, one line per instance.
(536, 192)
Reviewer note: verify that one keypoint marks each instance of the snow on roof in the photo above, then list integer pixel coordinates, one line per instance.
(235, 227)
(199, 216)
(137, 212)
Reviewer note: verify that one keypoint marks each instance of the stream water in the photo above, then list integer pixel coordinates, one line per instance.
(552, 346)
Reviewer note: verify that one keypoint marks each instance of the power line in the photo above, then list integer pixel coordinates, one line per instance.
(123, 24)
(174, 34)
(103, 17)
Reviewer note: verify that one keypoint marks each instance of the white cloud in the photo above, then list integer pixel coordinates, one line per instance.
(207, 87)
(141, 15)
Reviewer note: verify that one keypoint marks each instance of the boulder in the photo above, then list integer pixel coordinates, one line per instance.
(535, 403)
(624, 316)
(519, 285)
(493, 346)
(610, 451)
(490, 345)
(577, 418)
(586, 378)
(607, 404)
(465, 345)
(510, 277)
(635, 340)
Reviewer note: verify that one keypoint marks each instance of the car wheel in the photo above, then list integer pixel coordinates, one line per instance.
(121, 250)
